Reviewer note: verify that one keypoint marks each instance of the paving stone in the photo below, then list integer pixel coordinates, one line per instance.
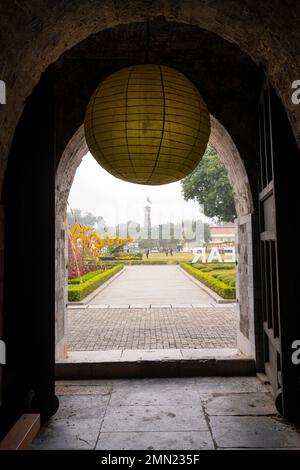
(223, 385)
(83, 389)
(183, 440)
(65, 434)
(202, 305)
(94, 356)
(200, 353)
(98, 306)
(154, 418)
(253, 432)
(150, 384)
(168, 413)
(241, 404)
(82, 407)
(118, 306)
(152, 392)
(150, 355)
(160, 305)
(181, 305)
(139, 305)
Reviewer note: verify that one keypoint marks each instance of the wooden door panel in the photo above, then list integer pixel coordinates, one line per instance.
(268, 242)
(280, 280)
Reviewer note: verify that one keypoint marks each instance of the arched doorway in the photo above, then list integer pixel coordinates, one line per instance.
(243, 109)
(229, 155)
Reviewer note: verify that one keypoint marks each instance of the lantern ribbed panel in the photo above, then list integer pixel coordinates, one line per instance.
(147, 124)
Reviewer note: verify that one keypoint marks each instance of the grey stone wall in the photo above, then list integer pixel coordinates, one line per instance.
(237, 175)
(36, 34)
(66, 170)
(245, 291)
(1, 282)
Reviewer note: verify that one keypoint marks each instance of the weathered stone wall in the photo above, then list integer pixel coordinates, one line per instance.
(35, 34)
(228, 80)
(245, 290)
(237, 175)
(1, 282)
(68, 165)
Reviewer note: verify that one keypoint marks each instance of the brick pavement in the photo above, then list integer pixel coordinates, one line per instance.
(94, 329)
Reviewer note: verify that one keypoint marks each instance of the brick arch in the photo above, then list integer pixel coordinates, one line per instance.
(40, 33)
(237, 175)
(69, 162)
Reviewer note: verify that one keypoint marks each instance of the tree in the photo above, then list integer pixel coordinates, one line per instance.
(84, 218)
(208, 184)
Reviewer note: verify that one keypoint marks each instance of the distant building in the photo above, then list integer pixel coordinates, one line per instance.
(190, 245)
(222, 233)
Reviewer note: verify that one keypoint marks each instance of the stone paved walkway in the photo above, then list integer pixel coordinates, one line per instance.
(94, 329)
(151, 285)
(173, 414)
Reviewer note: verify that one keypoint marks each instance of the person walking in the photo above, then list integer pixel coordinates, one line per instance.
(147, 254)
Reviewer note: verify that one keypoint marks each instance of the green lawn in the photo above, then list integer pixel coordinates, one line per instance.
(218, 277)
(176, 258)
(224, 272)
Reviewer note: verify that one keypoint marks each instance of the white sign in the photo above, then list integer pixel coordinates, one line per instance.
(214, 255)
(2, 92)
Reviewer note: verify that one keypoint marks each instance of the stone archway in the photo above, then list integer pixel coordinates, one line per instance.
(71, 159)
(228, 152)
(41, 33)
(237, 175)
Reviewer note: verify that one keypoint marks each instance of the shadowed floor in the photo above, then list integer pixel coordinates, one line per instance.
(186, 413)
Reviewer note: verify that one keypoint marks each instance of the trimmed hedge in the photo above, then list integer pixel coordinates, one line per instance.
(213, 267)
(85, 277)
(228, 279)
(222, 289)
(78, 292)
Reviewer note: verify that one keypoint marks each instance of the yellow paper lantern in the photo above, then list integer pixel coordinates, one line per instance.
(147, 124)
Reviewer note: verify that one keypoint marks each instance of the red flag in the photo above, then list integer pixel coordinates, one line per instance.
(148, 200)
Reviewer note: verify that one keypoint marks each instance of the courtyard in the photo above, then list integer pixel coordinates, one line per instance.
(151, 307)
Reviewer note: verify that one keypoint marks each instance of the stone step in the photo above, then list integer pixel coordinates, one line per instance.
(154, 363)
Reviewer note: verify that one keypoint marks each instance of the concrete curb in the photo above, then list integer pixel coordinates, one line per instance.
(211, 293)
